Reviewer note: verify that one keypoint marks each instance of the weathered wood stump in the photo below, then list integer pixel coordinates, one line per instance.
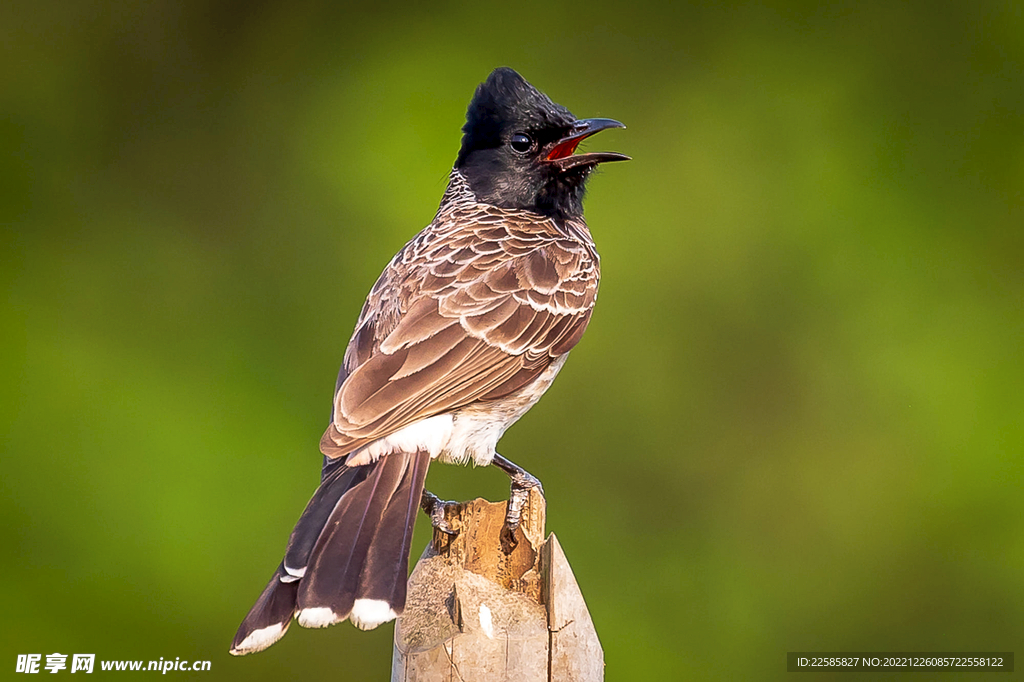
(474, 613)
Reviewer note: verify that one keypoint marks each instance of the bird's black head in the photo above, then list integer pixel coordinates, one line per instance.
(517, 148)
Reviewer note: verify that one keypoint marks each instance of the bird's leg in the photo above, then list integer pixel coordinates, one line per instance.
(522, 482)
(435, 508)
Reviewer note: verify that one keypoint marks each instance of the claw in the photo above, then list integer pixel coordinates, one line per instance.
(435, 508)
(508, 539)
(522, 482)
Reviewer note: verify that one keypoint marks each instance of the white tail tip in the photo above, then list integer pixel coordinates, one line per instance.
(369, 613)
(318, 617)
(261, 639)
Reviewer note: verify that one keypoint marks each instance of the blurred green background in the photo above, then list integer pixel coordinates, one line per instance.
(794, 424)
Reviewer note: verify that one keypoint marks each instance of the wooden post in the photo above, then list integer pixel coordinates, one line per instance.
(475, 614)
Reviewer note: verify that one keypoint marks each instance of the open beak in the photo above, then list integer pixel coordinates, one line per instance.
(561, 152)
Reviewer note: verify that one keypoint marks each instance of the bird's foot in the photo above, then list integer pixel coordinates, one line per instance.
(436, 509)
(522, 483)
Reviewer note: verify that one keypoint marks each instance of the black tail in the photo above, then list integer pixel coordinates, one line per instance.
(348, 557)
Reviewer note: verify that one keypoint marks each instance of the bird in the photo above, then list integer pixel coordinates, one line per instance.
(462, 333)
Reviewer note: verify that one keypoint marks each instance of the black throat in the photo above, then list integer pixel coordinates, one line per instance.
(560, 196)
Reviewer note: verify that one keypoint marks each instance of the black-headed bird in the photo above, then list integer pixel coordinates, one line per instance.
(462, 333)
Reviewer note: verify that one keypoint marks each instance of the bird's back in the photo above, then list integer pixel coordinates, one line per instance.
(471, 310)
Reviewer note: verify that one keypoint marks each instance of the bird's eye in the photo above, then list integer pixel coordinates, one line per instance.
(521, 142)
